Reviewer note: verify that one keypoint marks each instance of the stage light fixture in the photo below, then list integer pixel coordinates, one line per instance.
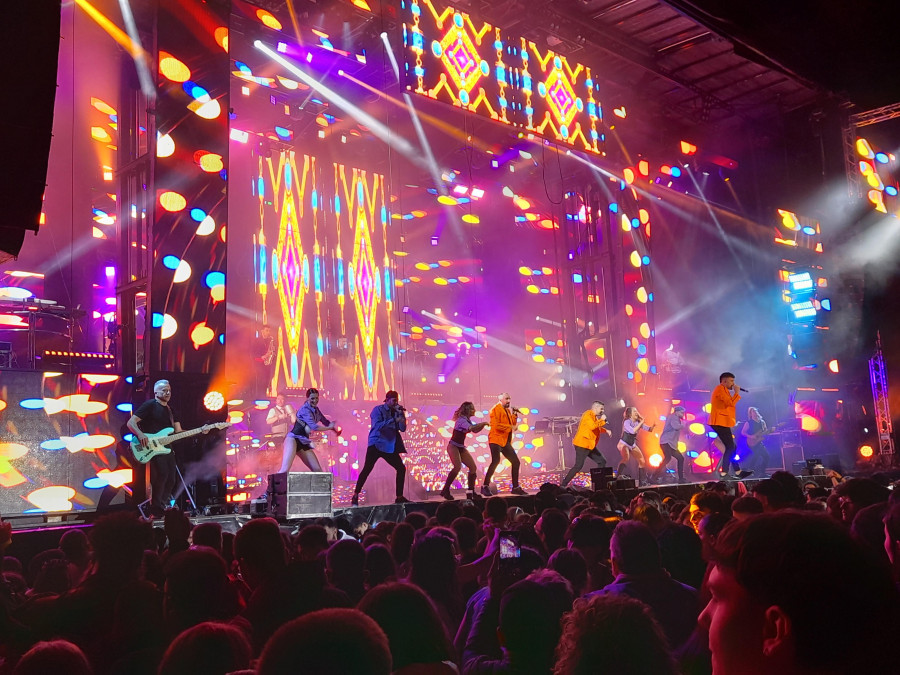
(866, 451)
(833, 366)
(213, 401)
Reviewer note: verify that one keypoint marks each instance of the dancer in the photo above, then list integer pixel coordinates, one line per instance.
(385, 442)
(628, 446)
(456, 447)
(668, 443)
(592, 424)
(754, 432)
(281, 418)
(722, 418)
(503, 422)
(309, 419)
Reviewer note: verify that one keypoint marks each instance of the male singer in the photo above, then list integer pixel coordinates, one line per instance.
(385, 442)
(503, 422)
(592, 424)
(722, 417)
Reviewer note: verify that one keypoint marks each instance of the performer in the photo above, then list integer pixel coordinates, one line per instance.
(456, 447)
(503, 421)
(263, 359)
(592, 424)
(668, 443)
(722, 418)
(754, 432)
(281, 418)
(385, 442)
(308, 419)
(152, 417)
(628, 446)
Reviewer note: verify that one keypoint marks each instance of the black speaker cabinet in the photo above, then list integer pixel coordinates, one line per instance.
(304, 494)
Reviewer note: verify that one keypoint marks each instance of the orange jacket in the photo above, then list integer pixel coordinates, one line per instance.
(503, 421)
(589, 429)
(722, 412)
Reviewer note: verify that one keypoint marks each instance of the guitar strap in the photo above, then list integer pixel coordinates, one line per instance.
(171, 417)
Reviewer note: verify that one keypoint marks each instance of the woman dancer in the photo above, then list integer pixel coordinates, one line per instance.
(456, 447)
(628, 446)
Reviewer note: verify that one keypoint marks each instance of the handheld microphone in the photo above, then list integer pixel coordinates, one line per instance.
(516, 410)
(746, 391)
(401, 408)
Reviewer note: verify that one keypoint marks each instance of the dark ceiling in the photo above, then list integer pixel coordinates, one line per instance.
(720, 62)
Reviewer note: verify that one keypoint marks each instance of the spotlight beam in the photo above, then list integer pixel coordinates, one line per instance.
(378, 128)
(112, 29)
(140, 59)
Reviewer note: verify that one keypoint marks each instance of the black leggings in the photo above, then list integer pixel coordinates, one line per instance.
(670, 453)
(510, 454)
(373, 454)
(582, 454)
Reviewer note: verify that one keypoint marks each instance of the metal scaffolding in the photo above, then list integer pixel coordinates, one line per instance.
(878, 377)
(849, 131)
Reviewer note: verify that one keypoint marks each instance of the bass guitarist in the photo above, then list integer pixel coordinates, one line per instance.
(152, 417)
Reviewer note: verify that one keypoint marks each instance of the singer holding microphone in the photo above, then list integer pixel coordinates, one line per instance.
(385, 442)
(722, 417)
(592, 424)
(503, 420)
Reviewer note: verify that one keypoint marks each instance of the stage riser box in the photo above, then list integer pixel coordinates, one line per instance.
(304, 494)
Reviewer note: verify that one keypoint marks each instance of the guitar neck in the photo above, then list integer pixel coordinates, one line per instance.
(171, 438)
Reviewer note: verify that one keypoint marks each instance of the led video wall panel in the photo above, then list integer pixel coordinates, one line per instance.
(452, 57)
(324, 276)
(189, 230)
(58, 447)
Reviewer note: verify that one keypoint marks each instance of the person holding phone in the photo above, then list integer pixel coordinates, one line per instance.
(456, 447)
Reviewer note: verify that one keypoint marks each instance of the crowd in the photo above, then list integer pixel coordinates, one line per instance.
(786, 579)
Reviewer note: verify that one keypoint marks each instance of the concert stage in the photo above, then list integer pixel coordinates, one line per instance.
(461, 225)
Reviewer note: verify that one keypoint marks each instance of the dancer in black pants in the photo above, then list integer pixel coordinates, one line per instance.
(385, 442)
(668, 443)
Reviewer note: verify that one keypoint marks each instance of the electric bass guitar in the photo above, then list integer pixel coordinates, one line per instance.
(157, 444)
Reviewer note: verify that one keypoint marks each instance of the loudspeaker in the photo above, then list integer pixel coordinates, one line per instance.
(300, 495)
(29, 47)
(601, 477)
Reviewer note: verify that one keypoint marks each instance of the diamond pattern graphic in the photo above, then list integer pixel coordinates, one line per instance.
(291, 286)
(364, 274)
(460, 58)
(561, 97)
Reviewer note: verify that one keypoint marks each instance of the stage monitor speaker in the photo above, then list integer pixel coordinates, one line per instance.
(300, 495)
(29, 47)
(601, 476)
